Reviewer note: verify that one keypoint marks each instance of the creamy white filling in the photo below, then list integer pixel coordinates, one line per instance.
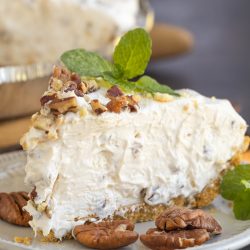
(100, 163)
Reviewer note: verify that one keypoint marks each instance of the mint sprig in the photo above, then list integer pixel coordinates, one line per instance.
(133, 53)
(85, 63)
(235, 186)
(131, 57)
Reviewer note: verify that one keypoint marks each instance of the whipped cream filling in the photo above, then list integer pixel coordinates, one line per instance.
(101, 163)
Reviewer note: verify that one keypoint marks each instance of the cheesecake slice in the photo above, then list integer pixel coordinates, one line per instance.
(96, 153)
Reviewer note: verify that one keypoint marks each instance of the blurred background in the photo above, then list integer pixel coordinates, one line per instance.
(197, 44)
(219, 64)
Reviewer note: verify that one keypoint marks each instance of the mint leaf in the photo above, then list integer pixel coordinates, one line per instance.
(131, 57)
(231, 185)
(85, 63)
(246, 183)
(133, 52)
(242, 206)
(235, 186)
(125, 85)
(150, 85)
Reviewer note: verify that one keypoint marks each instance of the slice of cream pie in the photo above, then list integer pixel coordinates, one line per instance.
(96, 153)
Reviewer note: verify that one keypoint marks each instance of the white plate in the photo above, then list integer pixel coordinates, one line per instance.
(236, 234)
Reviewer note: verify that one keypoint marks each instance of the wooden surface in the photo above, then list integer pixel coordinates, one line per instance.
(12, 131)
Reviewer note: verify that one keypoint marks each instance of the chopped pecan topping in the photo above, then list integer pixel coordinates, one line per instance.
(79, 89)
(161, 240)
(91, 85)
(61, 106)
(106, 235)
(75, 78)
(132, 103)
(61, 73)
(47, 98)
(97, 107)
(114, 92)
(11, 208)
(180, 218)
(118, 104)
(119, 101)
(64, 79)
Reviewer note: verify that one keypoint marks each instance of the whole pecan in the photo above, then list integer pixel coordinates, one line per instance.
(181, 218)
(106, 235)
(11, 208)
(179, 239)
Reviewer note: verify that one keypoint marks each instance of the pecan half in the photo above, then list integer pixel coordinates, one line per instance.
(61, 106)
(97, 107)
(11, 208)
(106, 235)
(180, 218)
(161, 240)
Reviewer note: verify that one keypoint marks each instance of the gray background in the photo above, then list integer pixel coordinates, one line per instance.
(219, 65)
(220, 62)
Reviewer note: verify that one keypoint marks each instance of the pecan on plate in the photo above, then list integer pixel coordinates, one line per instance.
(106, 235)
(179, 239)
(11, 208)
(184, 218)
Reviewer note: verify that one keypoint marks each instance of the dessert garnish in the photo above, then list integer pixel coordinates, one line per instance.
(179, 228)
(106, 234)
(235, 187)
(11, 208)
(179, 239)
(130, 60)
(183, 218)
